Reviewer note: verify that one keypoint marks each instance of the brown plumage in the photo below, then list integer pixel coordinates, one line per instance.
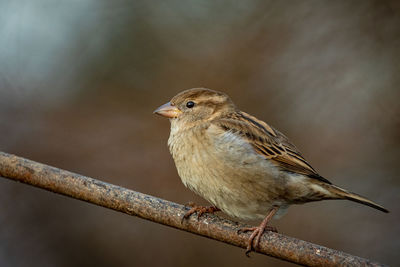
(239, 163)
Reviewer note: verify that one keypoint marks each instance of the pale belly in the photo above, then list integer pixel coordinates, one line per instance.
(241, 186)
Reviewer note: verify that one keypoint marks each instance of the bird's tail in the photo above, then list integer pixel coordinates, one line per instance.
(340, 193)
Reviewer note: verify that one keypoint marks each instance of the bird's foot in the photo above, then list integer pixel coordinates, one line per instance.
(200, 210)
(255, 236)
(248, 229)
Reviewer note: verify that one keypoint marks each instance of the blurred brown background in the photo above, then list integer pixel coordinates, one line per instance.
(79, 81)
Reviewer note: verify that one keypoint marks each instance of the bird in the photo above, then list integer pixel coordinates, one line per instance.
(241, 165)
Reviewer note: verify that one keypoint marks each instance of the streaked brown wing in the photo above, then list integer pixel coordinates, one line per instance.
(269, 143)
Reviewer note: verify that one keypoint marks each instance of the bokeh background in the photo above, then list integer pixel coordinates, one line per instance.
(79, 81)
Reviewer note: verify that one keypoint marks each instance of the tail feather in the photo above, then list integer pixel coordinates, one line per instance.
(341, 193)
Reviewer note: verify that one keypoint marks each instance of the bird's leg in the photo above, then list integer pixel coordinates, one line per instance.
(258, 231)
(199, 209)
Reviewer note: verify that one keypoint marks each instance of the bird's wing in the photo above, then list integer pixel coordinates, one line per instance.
(269, 143)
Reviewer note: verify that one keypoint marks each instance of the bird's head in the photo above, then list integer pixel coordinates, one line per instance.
(196, 105)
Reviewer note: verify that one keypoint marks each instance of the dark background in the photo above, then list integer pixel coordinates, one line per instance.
(79, 81)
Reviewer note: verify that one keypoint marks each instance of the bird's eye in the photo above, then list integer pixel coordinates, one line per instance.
(190, 104)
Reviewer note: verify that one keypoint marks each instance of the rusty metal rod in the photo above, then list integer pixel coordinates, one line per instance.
(169, 213)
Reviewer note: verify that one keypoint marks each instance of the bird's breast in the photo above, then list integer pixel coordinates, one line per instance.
(225, 170)
(191, 152)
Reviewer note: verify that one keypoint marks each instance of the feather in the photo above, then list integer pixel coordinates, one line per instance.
(268, 142)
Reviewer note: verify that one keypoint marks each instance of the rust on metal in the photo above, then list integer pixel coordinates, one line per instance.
(169, 213)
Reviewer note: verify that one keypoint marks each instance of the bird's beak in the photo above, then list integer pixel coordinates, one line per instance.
(168, 110)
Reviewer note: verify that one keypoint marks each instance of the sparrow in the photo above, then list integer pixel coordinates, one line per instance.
(240, 164)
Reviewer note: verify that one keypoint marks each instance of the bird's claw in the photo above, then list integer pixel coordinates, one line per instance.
(248, 229)
(200, 210)
(255, 236)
